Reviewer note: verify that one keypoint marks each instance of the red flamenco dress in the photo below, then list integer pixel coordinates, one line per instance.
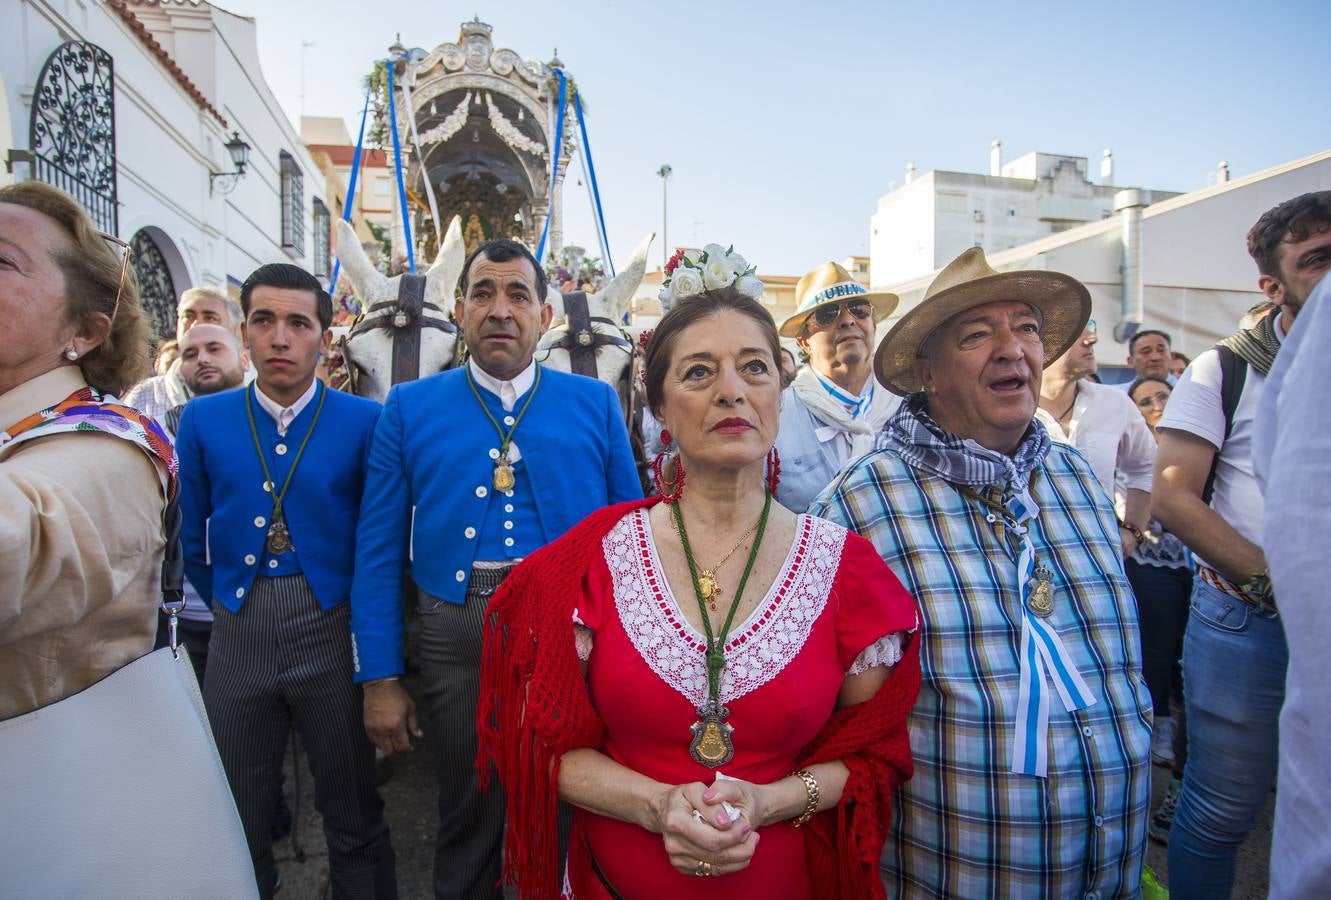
(834, 609)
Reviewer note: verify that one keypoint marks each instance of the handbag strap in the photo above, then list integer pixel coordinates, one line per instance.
(173, 571)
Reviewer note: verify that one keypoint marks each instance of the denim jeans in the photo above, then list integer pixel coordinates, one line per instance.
(1234, 660)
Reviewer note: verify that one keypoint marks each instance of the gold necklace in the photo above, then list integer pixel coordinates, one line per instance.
(706, 579)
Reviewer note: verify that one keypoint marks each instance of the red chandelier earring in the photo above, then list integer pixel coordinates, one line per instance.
(672, 488)
(773, 470)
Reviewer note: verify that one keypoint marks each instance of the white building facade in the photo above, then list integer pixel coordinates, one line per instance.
(931, 218)
(135, 103)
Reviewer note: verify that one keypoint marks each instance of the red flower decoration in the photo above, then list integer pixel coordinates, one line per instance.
(674, 261)
(645, 338)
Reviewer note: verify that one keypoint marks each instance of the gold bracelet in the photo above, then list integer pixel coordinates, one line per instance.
(811, 803)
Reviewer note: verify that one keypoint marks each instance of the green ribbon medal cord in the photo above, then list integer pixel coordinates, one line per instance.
(279, 536)
(712, 745)
(503, 474)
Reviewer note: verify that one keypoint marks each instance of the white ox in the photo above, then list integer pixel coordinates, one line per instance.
(402, 334)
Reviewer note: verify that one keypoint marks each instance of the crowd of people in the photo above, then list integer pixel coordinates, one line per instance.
(912, 619)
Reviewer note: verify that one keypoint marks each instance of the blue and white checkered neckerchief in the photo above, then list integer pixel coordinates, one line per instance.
(856, 406)
(922, 443)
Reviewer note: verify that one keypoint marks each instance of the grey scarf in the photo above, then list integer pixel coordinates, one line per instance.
(1258, 345)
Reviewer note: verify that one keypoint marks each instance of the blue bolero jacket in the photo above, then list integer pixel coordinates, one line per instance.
(428, 483)
(225, 508)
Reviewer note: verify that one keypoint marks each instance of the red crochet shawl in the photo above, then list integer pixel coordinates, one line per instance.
(534, 707)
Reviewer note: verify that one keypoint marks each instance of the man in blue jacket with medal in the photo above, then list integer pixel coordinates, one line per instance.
(470, 471)
(271, 481)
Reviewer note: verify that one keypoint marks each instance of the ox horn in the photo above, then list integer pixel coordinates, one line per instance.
(362, 274)
(615, 297)
(447, 268)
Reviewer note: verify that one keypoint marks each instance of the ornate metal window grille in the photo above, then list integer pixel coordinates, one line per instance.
(321, 222)
(293, 205)
(157, 290)
(73, 128)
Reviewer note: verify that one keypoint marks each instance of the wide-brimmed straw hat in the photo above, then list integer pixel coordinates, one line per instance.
(828, 284)
(967, 282)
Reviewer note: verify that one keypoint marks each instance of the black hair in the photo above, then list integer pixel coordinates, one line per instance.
(286, 275)
(1146, 379)
(1294, 219)
(1132, 341)
(503, 250)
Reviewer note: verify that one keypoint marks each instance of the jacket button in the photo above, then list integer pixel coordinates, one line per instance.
(281, 449)
(508, 507)
(494, 452)
(469, 532)
(260, 521)
(272, 564)
(508, 526)
(508, 420)
(481, 491)
(461, 575)
(249, 559)
(508, 542)
(240, 592)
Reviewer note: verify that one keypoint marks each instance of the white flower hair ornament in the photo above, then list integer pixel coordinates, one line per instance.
(716, 267)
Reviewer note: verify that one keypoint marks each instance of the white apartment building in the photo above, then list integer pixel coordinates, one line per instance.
(129, 105)
(927, 221)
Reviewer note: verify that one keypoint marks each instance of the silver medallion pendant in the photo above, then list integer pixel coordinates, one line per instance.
(279, 538)
(712, 745)
(1040, 599)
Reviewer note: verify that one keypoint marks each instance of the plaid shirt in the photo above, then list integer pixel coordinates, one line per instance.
(965, 826)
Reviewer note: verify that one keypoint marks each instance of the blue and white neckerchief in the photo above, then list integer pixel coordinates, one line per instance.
(856, 406)
(1042, 654)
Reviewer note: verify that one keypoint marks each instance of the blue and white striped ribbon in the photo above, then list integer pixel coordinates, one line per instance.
(1042, 653)
(856, 406)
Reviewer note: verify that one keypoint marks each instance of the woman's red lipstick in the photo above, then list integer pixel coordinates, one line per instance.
(733, 425)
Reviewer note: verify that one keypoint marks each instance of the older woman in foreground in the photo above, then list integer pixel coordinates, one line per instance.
(717, 685)
(83, 480)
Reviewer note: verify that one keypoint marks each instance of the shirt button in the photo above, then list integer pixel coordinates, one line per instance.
(508, 542)
(272, 564)
(249, 559)
(240, 592)
(1086, 730)
(260, 521)
(481, 491)
(1099, 821)
(469, 531)
(281, 449)
(508, 507)
(494, 452)
(508, 420)
(508, 526)
(460, 575)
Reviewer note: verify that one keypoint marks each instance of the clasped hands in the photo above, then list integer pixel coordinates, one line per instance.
(696, 828)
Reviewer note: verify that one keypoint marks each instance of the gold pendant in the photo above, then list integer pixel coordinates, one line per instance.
(503, 477)
(708, 587)
(712, 746)
(279, 538)
(1041, 601)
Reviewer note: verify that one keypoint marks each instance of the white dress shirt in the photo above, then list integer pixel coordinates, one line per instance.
(1109, 431)
(508, 393)
(285, 415)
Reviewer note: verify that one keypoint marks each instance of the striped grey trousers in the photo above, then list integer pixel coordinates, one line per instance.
(283, 659)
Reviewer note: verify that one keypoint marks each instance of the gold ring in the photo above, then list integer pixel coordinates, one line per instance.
(701, 869)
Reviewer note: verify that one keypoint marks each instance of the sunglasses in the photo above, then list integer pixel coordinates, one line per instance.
(825, 316)
(121, 247)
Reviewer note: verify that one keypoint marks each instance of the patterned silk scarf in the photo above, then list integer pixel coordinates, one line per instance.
(924, 445)
(89, 410)
(1258, 345)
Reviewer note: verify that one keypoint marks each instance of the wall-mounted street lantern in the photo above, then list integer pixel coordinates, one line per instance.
(240, 157)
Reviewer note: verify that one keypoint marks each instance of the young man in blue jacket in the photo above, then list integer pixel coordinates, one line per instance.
(272, 476)
(470, 471)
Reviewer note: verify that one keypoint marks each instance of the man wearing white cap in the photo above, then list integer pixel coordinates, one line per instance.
(833, 408)
(1032, 728)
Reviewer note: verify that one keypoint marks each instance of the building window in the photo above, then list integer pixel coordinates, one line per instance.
(293, 206)
(321, 221)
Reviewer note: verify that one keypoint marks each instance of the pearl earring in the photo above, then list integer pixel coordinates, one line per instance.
(71, 354)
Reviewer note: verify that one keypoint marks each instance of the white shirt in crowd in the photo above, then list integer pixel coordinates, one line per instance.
(1109, 431)
(508, 393)
(285, 415)
(1292, 455)
(1196, 407)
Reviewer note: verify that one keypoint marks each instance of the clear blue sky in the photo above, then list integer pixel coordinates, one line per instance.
(784, 122)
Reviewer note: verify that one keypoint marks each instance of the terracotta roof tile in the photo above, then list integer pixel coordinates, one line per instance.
(342, 155)
(141, 31)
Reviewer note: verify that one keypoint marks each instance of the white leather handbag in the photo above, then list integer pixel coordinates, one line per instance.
(117, 791)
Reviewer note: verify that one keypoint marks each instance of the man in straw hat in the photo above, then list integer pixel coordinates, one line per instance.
(833, 408)
(1032, 730)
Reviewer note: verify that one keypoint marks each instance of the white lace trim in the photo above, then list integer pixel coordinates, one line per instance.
(886, 651)
(759, 648)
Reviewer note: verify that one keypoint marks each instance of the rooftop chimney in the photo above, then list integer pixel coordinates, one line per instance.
(996, 158)
(910, 172)
(1222, 172)
(1107, 167)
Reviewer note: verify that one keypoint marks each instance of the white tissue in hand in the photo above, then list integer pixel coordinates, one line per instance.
(733, 812)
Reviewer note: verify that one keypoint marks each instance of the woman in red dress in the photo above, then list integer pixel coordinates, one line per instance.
(718, 686)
